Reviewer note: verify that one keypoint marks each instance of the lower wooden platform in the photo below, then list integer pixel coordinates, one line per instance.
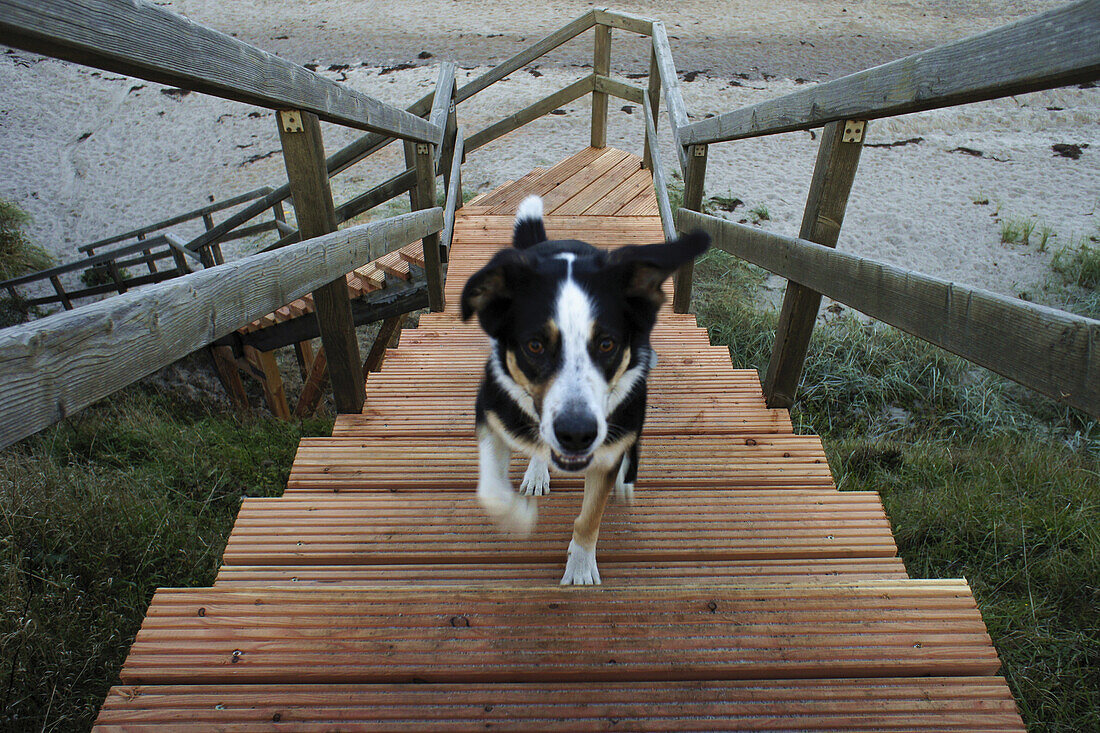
(741, 590)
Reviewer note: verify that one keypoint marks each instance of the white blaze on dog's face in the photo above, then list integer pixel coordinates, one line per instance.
(574, 412)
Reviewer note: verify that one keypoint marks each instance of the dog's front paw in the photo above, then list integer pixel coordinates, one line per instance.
(511, 512)
(580, 566)
(536, 481)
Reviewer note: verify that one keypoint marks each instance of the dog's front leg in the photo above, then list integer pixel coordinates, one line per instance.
(511, 511)
(580, 565)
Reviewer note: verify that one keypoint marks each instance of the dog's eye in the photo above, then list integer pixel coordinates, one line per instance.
(607, 344)
(535, 346)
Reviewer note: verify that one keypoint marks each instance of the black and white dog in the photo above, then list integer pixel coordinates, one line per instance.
(566, 378)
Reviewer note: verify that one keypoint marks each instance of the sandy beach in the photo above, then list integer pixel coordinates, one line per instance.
(90, 153)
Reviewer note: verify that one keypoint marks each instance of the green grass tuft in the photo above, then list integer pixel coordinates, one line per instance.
(1079, 263)
(760, 213)
(1017, 231)
(134, 493)
(17, 254)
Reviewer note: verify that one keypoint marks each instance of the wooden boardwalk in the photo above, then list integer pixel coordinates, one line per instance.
(741, 590)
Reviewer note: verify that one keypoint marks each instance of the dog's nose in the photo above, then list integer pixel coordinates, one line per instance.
(576, 431)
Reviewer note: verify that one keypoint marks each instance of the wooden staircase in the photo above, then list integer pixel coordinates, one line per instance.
(741, 590)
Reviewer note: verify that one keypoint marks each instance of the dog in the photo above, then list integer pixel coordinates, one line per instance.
(565, 382)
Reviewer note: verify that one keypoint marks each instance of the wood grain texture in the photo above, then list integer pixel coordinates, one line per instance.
(304, 156)
(964, 704)
(143, 40)
(56, 366)
(694, 180)
(1051, 49)
(1048, 350)
(601, 66)
(425, 188)
(624, 21)
(674, 100)
(834, 173)
(529, 114)
(628, 92)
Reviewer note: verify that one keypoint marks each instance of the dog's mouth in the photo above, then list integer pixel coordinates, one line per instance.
(571, 461)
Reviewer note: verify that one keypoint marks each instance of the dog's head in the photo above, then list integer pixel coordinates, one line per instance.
(571, 325)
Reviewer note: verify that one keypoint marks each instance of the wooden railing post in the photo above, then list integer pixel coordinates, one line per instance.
(693, 199)
(601, 64)
(837, 159)
(654, 95)
(304, 156)
(425, 199)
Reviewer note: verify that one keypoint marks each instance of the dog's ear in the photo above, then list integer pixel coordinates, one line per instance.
(644, 268)
(489, 291)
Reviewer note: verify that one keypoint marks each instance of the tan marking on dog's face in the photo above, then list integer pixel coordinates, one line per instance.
(537, 390)
(623, 366)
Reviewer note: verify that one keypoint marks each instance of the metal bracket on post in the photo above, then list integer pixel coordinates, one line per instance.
(699, 151)
(853, 131)
(290, 120)
(421, 148)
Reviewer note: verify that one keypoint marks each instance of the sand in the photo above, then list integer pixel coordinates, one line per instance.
(90, 153)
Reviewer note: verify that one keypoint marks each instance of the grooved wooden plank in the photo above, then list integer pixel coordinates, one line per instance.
(629, 574)
(448, 526)
(509, 196)
(581, 179)
(600, 188)
(467, 636)
(932, 703)
(343, 464)
(638, 182)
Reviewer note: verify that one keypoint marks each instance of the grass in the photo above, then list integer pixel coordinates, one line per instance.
(1079, 264)
(1017, 231)
(17, 256)
(759, 213)
(134, 493)
(980, 478)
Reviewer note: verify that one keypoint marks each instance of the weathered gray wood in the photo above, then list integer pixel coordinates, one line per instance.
(1048, 350)
(110, 287)
(1051, 49)
(181, 218)
(521, 59)
(425, 198)
(441, 103)
(54, 366)
(601, 66)
(529, 114)
(180, 253)
(304, 155)
(694, 178)
(674, 100)
(660, 182)
(821, 221)
(140, 39)
(454, 192)
(609, 86)
(653, 94)
(624, 21)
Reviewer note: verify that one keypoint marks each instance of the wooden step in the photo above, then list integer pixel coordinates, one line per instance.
(889, 703)
(393, 635)
(416, 527)
(667, 462)
(618, 574)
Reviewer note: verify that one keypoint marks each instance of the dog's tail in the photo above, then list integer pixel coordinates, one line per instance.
(529, 229)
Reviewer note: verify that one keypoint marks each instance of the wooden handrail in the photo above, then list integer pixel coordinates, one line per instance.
(179, 219)
(528, 114)
(137, 38)
(454, 191)
(660, 183)
(54, 366)
(1051, 49)
(674, 100)
(1048, 350)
